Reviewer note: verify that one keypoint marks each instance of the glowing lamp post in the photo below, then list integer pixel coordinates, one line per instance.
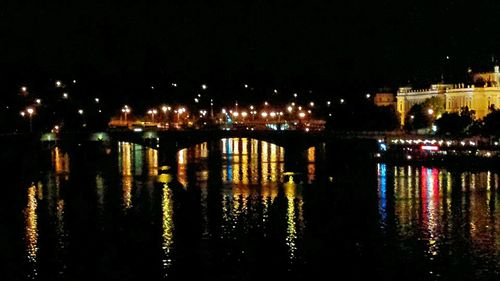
(165, 110)
(125, 111)
(152, 112)
(30, 113)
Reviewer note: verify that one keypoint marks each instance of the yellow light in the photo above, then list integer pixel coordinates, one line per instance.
(264, 114)
(290, 109)
(30, 110)
(244, 114)
(302, 115)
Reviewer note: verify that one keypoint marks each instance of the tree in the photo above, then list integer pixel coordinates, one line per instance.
(492, 123)
(417, 118)
(454, 123)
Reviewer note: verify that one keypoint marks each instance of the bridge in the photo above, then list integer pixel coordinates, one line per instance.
(344, 146)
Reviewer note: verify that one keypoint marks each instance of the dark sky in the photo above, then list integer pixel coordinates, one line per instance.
(359, 45)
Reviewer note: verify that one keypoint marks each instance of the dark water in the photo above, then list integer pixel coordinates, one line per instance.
(230, 213)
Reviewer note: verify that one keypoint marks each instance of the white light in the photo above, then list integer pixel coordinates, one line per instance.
(430, 111)
(311, 104)
(275, 91)
(58, 83)
(24, 89)
(30, 110)
(74, 81)
(22, 113)
(328, 103)
(289, 109)
(196, 100)
(295, 95)
(96, 100)
(273, 114)
(302, 115)
(152, 87)
(80, 111)
(65, 95)
(244, 114)
(235, 114)
(367, 96)
(246, 86)
(341, 100)
(204, 87)
(264, 114)
(39, 101)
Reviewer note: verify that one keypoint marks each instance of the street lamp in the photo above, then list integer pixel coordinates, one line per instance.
(152, 112)
(126, 111)
(165, 109)
(30, 113)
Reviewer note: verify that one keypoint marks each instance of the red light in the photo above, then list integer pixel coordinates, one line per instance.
(429, 147)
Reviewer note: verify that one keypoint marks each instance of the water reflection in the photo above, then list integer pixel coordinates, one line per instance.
(167, 227)
(264, 164)
(441, 207)
(60, 161)
(294, 217)
(125, 167)
(31, 232)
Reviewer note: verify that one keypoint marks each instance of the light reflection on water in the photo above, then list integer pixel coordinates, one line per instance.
(442, 208)
(31, 232)
(241, 193)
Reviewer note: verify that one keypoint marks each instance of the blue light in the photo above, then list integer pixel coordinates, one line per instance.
(383, 147)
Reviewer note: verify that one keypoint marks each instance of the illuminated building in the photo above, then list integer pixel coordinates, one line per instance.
(384, 99)
(479, 96)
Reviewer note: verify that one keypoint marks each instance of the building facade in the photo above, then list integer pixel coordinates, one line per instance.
(479, 96)
(384, 99)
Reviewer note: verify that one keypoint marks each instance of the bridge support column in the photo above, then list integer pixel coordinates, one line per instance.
(167, 154)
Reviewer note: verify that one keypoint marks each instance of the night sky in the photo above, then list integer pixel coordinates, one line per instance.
(341, 47)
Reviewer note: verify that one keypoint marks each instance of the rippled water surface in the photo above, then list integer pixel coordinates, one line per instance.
(232, 211)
